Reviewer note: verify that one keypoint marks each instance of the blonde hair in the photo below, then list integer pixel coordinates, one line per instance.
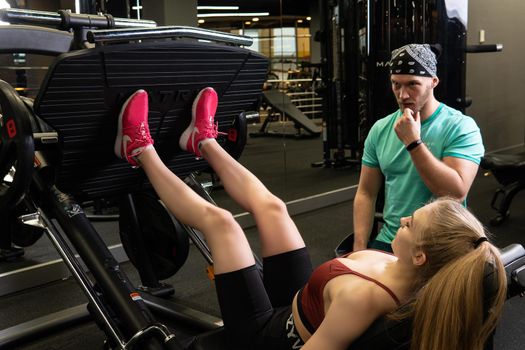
(449, 307)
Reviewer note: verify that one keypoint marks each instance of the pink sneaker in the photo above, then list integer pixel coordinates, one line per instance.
(133, 135)
(202, 126)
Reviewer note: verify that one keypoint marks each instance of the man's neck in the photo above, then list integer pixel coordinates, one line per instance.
(428, 109)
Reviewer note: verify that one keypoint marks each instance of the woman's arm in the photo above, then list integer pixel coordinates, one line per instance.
(351, 312)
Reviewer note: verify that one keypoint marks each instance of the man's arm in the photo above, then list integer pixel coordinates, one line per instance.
(450, 177)
(370, 182)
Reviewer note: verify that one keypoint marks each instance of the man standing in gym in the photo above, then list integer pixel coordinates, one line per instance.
(423, 150)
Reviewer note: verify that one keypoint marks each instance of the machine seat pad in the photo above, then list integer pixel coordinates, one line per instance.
(512, 253)
(496, 161)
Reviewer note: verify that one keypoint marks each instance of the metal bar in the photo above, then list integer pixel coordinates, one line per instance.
(78, 272)
(484, 48)
(307, 99)
(200, 243)
(288, 80)
(180, 313)
(114, 35)
(308, 106)
(133, 23)
(368, 26)
(55, 19)
(30, 17)
(306, 93)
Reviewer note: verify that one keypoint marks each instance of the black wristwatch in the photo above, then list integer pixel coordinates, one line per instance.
(414, 144)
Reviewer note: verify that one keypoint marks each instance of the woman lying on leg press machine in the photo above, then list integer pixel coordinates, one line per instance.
(438, 265)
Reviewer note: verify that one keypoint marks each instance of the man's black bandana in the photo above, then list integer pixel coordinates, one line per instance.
(414, 59)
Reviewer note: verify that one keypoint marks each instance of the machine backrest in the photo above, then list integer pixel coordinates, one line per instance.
(83, 91)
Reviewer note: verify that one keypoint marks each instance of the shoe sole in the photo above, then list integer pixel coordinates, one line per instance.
(183, 141)
(118, 141)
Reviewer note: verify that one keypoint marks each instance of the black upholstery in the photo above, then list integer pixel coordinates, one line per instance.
(83, 91)
(386, 334)
(32, 39)
(509, 170)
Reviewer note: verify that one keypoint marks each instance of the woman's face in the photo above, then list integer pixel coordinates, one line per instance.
(404, 242)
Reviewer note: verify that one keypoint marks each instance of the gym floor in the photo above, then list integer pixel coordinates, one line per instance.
(192, 288)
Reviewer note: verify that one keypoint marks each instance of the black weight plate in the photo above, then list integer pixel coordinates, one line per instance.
(16, 147)
(25, 236)
(164, 239)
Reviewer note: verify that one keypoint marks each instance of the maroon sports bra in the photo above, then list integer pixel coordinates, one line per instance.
(310, 299)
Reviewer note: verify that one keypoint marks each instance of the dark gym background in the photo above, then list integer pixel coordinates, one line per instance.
(494, 81)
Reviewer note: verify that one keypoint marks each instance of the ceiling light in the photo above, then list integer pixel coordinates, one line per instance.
(217, 7)
(200, 21)
(308, 18)
(299, 21)
(247, 23)
(233, 14)
(255, 19)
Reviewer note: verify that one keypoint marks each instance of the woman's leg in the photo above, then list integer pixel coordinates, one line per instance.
(228, 244)
(277, 231)
(244, 304)
(286, 262)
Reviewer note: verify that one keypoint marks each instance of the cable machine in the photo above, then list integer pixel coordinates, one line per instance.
(357, 37)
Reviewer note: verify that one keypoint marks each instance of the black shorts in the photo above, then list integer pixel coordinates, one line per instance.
(256, 310)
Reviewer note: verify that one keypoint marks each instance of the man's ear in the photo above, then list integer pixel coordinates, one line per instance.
(419, 258)
(435, 82)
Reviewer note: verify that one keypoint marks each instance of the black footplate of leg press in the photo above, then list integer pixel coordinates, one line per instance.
(84, 90)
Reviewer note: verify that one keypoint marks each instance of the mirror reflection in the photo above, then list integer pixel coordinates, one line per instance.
(286, 147)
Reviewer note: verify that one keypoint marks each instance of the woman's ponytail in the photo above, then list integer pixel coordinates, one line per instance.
(451, 310)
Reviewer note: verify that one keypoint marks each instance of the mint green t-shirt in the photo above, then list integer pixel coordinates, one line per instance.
(446, 133)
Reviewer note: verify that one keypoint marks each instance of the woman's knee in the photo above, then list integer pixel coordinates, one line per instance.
(273, 205)
(219, 219)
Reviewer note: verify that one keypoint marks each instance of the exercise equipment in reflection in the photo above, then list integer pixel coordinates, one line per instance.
(509, 171)
(357, 38)
(280, 105)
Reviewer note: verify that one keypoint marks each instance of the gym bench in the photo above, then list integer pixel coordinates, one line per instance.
(509, 171)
